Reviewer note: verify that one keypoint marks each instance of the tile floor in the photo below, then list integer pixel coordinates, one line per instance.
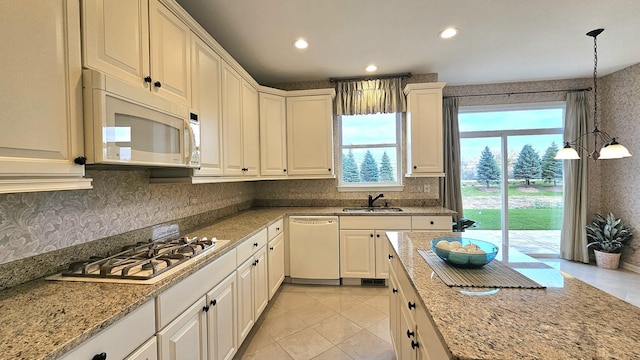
(323, 322)
(351, 322)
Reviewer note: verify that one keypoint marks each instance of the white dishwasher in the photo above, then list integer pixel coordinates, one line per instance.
(314, 250)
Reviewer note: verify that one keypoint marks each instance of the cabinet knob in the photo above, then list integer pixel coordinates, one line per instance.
(431, 222)
(80, 160)
(205, 308)
(371, 235)
(410, 334)
(414, 167)
(277, 229)
(157, 84)
(255, 244)
(213, 302)
(390, 256)
(255, 263)
(329, 169)
(284, 170)
(377, 235)
(394, 290)
(271, 248)
(412, 305)
(414, 344)
(101, 356)
(147, 79)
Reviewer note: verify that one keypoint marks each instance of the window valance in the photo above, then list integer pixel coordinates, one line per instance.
(361, 97)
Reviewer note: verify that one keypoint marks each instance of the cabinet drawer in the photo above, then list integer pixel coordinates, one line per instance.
(251, 245)
(375, 222)
(175, 300)
(121, 338)
(274, 229)
(436, 223)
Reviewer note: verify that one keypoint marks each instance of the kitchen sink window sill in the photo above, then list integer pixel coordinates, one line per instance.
(364, 188)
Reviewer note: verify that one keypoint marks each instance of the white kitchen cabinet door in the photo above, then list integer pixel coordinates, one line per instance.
(170, 44)
(394, 312)
(206, 99)
(232, 121)
(310, 135)
(407, 335)
(276, 263)
(382, 255)
(357, 254)
(250, 130)
(245, 299)
(41, 96)
(186, 336)
(260, 282)
(273, 135)
(116, 38)
(148, 351)
(222, 320)
(424, 129)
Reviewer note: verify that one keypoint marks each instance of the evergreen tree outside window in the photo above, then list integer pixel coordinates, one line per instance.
(370, 151)
(527, 166)
(488, 169)
(551, 168)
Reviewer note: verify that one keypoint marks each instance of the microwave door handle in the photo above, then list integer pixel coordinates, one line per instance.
(188, 155)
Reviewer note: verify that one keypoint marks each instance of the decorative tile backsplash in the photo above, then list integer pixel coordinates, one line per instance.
(121, 201)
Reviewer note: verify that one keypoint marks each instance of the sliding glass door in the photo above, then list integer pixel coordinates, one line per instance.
(511, 185)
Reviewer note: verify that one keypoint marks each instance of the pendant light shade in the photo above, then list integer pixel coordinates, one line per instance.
(604, 146)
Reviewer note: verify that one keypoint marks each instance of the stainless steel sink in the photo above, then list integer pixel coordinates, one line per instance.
(372, 210)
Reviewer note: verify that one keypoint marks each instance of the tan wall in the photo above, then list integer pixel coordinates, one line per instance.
(620, 116)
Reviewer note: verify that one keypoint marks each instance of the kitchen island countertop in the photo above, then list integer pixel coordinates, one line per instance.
(44, 319)
(569, 319)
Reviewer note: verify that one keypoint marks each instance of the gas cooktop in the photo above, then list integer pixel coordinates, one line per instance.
(143, 262)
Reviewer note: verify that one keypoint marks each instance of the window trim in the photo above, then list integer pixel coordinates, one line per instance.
(366, 187)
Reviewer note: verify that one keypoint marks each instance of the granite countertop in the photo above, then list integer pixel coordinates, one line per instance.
(568, 320)
(44, 319)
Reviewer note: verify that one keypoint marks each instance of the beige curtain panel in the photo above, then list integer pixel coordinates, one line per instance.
(450, 190)
(573, 238)
(370, 97)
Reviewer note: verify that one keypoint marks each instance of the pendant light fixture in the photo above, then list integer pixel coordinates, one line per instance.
(604, 146)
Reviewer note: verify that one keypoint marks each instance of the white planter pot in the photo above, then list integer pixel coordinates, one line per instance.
(607, 260)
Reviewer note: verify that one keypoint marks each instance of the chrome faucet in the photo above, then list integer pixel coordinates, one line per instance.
(372, 199)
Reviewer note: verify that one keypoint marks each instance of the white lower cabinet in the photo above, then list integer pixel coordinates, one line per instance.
(222, 319)
(275, 259)
(364, 245)
(148, 351)
(413, 333)
(185, 337)
(120, 339)
(253, 287)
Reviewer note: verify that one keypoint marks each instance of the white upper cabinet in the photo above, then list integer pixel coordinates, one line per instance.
(170, 54)
(310, 134)
(273, 135)
(250, 130)
(139, 41)
(116, 38)
(240, 125)
(40, 97)
(206, 100)
(424, 129)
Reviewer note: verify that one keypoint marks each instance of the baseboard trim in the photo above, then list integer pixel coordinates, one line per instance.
(630, 267)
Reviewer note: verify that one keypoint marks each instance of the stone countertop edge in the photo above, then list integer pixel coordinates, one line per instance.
(43, 320)
(575, 321)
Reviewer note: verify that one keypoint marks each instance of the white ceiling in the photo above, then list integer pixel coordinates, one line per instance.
(500, 40)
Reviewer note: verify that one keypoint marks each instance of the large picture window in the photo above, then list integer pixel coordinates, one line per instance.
(370, 151)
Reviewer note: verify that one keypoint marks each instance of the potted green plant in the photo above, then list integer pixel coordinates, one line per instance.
(607, 236)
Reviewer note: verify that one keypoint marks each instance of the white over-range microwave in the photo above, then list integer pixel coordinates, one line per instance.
(129, 125)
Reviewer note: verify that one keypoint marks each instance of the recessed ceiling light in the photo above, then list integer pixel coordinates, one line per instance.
(371, 68)
(301, 44)
(448, 33)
